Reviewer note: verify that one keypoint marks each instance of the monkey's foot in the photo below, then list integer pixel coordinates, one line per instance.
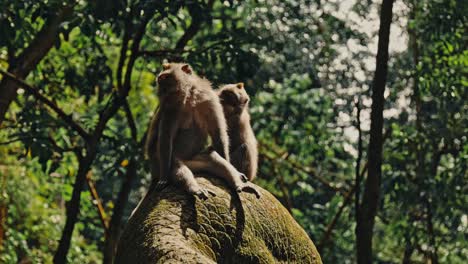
(160, 185)
(203, 193)
(249, 188)
(243, 177)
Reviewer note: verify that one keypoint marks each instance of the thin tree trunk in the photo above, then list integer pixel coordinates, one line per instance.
(3, 209)
(358, 180)
(420, 151)
(105, 116)
(371, 198)
(73, 209)
(409, 249)
(3, 216)
(30, 57)
(436, 156)
(326, 236)
(431, 233)
(115, 225)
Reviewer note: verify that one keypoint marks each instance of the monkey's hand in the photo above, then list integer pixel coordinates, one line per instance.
(203, 193)
(249, 188)
(161, 184)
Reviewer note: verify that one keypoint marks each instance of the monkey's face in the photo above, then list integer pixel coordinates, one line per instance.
(234, 98)
(173, 77)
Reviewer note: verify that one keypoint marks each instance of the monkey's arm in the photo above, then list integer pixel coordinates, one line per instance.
(238, 156)
(217, 128)
(152, 134)
(168, 126)
(151, 147)
(242, 160)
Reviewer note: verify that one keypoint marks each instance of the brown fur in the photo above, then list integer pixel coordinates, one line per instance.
(189, 112)
(243, 144)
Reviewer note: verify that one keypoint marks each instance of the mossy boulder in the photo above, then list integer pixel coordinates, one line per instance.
(174, 227)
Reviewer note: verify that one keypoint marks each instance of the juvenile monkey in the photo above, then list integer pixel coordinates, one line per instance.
(189, 112)
(243, 144)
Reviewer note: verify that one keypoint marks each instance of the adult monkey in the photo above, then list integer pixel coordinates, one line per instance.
(189, 112)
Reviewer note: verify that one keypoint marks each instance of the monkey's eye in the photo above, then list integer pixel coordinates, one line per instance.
(233, 99)
(228, 97)
(163, 77)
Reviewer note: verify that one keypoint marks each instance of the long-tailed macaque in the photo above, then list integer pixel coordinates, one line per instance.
(189, 112)
(242, 141)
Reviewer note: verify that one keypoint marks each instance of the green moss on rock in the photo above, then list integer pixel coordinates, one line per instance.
(174, 227)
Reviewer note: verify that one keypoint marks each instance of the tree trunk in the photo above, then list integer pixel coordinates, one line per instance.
(371, 198)
(115, 224)
(30, 57)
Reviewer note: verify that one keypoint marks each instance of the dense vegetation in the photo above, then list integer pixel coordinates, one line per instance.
(78, 90)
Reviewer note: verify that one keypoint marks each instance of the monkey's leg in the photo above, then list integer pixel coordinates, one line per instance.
(184, 176)
(213, 163)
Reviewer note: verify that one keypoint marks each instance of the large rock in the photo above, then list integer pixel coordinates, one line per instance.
(174, 227)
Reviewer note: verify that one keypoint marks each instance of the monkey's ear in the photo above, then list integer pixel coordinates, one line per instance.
(166, 66)
(240, 85)
(187, 69)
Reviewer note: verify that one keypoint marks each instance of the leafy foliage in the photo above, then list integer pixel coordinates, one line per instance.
(304, 63)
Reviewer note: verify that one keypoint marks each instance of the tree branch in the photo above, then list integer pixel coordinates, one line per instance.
(283, 188)
(162, 53)
(326, 236)
(31, 56)
(130, 120)
(347, 199)
(34, 91)
(119, 98)
(123, 53)
(311, 172)
(188, 35)
(172, 52)
(97, 202)
(194, 25)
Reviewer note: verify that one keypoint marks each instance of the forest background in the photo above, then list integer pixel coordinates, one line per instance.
(78, 90)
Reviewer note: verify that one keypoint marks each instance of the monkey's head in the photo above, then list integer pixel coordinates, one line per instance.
(174, 77)
(234, 98)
